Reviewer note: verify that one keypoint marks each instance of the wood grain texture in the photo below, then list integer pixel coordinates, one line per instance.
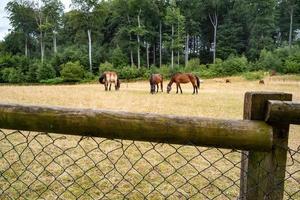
(233, 134)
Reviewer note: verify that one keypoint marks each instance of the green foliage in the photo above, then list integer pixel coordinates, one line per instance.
(45, 71)
(72, 72)
(251, 76)
(193, 64)
(12, 75)
(268, 61)
(232, 66)
(105, 67)
(118, 59)
(52, 81)
(292, 64)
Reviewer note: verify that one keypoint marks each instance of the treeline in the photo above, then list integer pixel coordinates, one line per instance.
(139, 37)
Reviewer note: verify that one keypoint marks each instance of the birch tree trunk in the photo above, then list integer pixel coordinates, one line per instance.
(26, 46)
(187, 50)
(90, 49)
(154, 55)
(160, 43)
(178, 53)
(54, 42)
(214, 22)
(172, 46)
(130, 39)
(291, 27)
(147, 52)
(138, 40)
(42, 47)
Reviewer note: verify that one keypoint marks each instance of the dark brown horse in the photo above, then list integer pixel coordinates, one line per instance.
(107, 78)
(184, 78)
(154, 80)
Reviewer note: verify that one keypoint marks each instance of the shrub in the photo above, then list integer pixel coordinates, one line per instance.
(234, 65)
(258, 75)
(118, 59)
(45, 71)
(12, 75)
(56, 80)
(292, 64)
(106, 67)
(193, 65)
(268, 61)
(72, 72)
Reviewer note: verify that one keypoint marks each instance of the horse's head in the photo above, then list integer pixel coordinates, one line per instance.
(152, 90)
(169, 88)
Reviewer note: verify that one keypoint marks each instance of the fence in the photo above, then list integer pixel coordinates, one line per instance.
(117, 155)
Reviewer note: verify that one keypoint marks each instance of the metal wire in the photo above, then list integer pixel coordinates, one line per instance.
(51, 166)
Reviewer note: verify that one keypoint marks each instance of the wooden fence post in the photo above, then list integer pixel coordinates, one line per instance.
(262, 173)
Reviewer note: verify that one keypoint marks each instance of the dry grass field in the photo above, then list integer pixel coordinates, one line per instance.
(216, 99)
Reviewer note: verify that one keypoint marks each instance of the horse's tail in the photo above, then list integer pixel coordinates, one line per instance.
(101, 79)
(118, 83)
(198, 81)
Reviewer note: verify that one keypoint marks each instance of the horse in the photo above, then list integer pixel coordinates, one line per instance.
(184, 78)
(154, 80)
(107, 78)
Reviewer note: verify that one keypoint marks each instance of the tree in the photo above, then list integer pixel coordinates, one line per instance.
(22, 19)
(86, 7)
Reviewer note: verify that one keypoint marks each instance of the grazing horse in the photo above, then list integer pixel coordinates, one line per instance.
(154, 80)
(184, 78)
(107, 78)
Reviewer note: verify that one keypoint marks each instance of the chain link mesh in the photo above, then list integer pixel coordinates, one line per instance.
(51, 166)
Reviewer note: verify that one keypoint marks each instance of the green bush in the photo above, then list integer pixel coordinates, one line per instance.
(57, 80)
(12, 75)
(106, 67)
(268, 61)
(251, 76)
(119, 59)
(193, 64)
(45, 71)
(292, 64)
(72, 72)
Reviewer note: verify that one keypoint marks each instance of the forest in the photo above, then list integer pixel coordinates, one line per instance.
(210, 38)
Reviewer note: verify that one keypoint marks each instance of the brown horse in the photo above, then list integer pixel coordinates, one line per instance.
(154, 80)
(107, 78)
(184, 78)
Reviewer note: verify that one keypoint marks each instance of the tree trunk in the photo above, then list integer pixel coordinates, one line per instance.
(54, 42)
(42, 47)
(130, 39)
(154, 55)
(160, 43)
(214, 22)
(172, 46)
(138, 40)
(147, 52)
(291, 27)
(187, 50)
(90, 49)
(178, 49)
(26, 45)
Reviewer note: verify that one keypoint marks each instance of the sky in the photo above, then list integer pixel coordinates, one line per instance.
(4, 22)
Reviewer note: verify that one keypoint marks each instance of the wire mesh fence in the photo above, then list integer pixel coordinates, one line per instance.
(51, 166)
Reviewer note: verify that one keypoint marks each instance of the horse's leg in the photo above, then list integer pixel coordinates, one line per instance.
(157, 88)
(193, 89)
(109, 86)
(177, 88)
(180, 88)
(106, 85)
(161, 87)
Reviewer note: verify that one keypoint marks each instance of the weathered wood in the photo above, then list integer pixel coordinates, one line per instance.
(262, 173)
(285, 112)
(236, 134)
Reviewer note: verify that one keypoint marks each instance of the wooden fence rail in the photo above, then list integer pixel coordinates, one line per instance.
(233, 134)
